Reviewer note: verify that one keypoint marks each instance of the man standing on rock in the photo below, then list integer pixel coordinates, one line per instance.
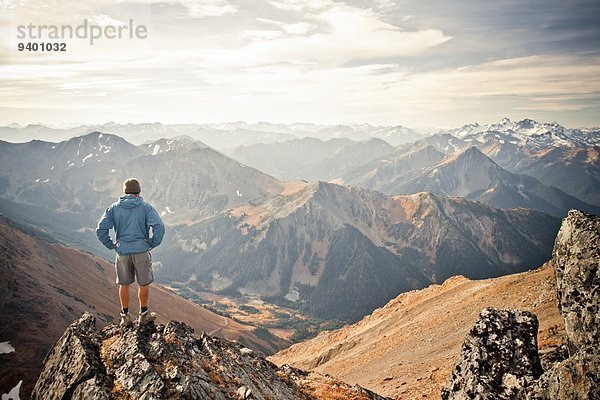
(132, 219)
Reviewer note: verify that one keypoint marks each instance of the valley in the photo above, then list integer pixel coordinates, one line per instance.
(284, 322)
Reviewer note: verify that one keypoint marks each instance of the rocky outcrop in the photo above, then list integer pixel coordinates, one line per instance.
(169, 362)
(76, 352)
(499, 358)
(576, 378)
(576, 258)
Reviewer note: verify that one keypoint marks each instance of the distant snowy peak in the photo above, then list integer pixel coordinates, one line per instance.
(180, 143)
(103, 138)
(529, 132)
(396, 135)
(466, 130)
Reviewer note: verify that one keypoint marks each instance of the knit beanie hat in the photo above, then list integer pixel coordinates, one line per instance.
(131, 186)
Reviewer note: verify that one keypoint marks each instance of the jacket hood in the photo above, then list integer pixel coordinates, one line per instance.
(130, 201)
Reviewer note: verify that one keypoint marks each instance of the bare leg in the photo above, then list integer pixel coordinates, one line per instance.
(124, 295)
(143, 293)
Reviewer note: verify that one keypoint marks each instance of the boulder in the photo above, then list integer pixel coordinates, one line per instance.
(73, 362)
(498, 359)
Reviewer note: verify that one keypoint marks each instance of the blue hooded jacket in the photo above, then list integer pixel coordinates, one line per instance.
(131, 219)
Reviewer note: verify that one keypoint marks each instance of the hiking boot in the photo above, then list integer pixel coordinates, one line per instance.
(146, 317)
(125, 321)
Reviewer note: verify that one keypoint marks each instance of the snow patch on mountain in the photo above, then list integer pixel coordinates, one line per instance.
(14, 393)
(6, 347)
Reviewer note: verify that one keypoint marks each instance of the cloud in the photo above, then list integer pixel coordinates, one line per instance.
(383, 93)
(346, 34)
(208, 8)
(384, 4)
(11, 4)
(523, 76)
(194, 8)
(299, 28)
(301, 5)
(310, 60)
(105, 20)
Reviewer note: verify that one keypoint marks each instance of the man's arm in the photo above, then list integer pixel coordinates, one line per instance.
(155, 222)
(106, 223)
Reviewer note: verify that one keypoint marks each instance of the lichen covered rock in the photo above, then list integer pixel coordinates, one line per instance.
(576, 258)
(498, 359)
(575, 378)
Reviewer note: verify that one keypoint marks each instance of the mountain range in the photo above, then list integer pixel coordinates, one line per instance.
(234, 228)
(568, 160)
(468, 173)
(322, 246)
(219, 136)
(65, 187)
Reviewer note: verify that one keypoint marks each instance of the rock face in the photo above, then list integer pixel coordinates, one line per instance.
(576, 261)
(77, 352)
(169, 362)
(499, 359)
(576, 378)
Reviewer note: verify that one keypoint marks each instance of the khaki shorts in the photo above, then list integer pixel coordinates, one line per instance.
(137, 266)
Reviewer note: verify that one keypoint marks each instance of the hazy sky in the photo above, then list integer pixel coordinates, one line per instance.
(413, 63)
